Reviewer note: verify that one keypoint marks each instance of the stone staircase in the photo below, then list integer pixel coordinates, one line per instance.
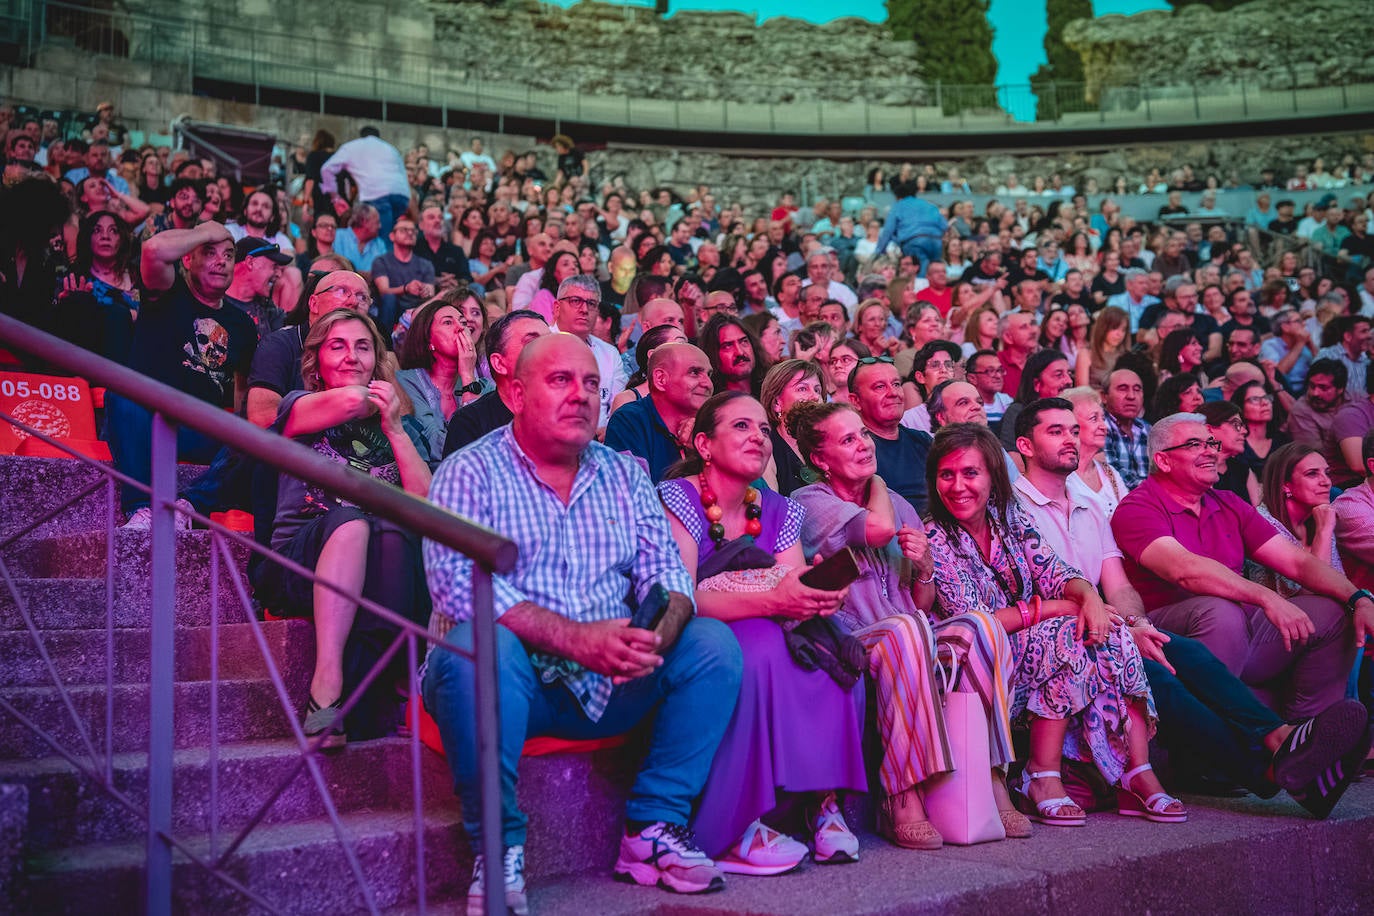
(67, 847)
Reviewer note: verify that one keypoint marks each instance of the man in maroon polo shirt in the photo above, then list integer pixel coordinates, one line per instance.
(1020, 338)
(1186, 544)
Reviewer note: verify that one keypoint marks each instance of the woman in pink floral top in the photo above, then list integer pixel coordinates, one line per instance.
(1078, 676)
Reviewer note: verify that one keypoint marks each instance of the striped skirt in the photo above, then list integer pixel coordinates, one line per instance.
(901, 652)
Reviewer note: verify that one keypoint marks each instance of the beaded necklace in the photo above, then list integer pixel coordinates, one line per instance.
(753, 527)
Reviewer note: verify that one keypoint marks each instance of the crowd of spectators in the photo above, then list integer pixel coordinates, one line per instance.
(1115, 474)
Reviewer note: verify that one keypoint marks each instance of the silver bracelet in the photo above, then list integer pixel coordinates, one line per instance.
(921, 581)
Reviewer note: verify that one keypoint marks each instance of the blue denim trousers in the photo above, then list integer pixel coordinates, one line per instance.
(129, 427)
(390, 208)
(1208, 715)
(924, 249)
(692, 696)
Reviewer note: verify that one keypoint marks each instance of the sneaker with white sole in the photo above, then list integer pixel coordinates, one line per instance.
(835, 842)
(142, 518)
(514, 872)
(763, 851)
(667, 855)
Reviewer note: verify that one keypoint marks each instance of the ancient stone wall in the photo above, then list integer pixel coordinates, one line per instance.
(1272, 44)
(606, 49)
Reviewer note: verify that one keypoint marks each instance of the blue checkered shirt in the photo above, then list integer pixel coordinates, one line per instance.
(578, 560)
(1129, 452)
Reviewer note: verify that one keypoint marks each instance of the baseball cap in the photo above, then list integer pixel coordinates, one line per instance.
(249, 247)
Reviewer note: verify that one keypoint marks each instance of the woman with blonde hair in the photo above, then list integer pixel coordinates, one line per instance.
(1110, 339)
(354, 413)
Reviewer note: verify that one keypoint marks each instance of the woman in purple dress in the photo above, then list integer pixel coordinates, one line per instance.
(793, 731)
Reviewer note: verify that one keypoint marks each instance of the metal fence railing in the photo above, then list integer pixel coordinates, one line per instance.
(170, 408)
(258, 61)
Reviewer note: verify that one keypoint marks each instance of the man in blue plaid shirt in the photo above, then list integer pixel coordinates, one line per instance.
(1126, 448)
(589, 527)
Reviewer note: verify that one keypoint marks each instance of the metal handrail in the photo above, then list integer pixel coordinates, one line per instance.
(493, 551)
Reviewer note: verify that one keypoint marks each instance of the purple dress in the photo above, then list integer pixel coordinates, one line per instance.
(792, 730)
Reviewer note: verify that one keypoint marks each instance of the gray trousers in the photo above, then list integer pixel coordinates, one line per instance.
(1296, 683)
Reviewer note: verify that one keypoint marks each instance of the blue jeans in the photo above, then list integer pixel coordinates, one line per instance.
(1208, 716)
(390, 208)
(693, 694)
(924, 249)
(130, 428)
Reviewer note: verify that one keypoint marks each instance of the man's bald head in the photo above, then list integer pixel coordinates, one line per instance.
(670, 355)
(1238, 374)
(679, 378)
(660, 311)
(555, 398)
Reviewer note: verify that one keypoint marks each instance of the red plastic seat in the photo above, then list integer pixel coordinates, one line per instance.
(59, 406)
(534, 747)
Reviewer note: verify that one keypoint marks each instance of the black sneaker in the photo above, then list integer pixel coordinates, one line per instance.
(1318, 761)
(326, 721)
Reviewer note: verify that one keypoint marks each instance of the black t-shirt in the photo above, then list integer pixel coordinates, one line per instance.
(277, 362)
(448, 259)
(1017, 273)
(1260, 325)
(1109, 288)
(182, 342)
(902, 464)
(266, 317)
(473, 421)
(608, 294)
(791, 469)
(570, 163)
(979, 277)
(1284, 226)
(1168, 210)
(1084, 298)
(319, 195)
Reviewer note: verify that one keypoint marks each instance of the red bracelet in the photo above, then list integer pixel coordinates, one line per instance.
(1025, 614)
(1036, 604)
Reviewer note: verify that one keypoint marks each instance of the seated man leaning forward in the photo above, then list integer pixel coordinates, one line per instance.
(1185, 545)
(585, 518)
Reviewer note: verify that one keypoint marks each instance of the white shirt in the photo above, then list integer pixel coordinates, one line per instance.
(375, 166)
(1083, 538)
(469, 159)
(613, 377)
(525, 289)
(839, 292)
(917, 418)
(283, 242)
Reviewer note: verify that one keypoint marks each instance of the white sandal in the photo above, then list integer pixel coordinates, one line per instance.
(1130, 804)
(1047, 811)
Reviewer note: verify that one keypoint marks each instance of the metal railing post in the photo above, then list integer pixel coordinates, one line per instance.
(488, 738)
(162, 575)
(1244, 102)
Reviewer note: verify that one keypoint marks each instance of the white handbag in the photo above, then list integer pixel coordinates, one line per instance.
(960, 803)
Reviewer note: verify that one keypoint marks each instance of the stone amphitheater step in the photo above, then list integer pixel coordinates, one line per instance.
(34, 486)
(82, 556)
(298, 867)
(65, 810)
(79, 655)
(248, 709)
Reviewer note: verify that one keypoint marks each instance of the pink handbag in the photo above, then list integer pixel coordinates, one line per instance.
(960, 803)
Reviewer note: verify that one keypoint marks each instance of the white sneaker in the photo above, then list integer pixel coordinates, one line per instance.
(835, 842)
(514, 872)
(142, 519)
(774, 853)
(667, 855)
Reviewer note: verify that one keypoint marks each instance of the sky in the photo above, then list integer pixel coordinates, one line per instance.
(1019, 25)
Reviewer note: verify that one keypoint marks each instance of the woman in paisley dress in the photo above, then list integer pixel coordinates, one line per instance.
(1078, 678)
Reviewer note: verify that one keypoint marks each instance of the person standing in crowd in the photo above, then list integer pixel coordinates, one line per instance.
(567, 662)
(378, 170)
(916, 225)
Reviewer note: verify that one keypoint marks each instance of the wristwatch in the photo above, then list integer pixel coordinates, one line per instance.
(1362, 593)
(472, 387)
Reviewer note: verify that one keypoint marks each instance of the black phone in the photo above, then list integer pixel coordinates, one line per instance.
(650, 613)
(834, 572)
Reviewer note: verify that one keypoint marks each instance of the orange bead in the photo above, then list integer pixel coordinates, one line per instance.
(714, 513)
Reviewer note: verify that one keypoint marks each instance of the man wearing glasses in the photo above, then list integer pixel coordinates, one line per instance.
(575, 312)
(1186, 544)
(984, 371)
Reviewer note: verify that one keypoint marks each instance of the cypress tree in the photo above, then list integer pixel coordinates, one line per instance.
(954, 41)
(1058, 84)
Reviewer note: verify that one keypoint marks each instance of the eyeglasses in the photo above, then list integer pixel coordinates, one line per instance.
(1193, 445)
(1260, 399)
(940, 364)
(994, 370)
(843, 360)
(344, 294)
(1238, 425)
(870, 360)
(580, 304)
